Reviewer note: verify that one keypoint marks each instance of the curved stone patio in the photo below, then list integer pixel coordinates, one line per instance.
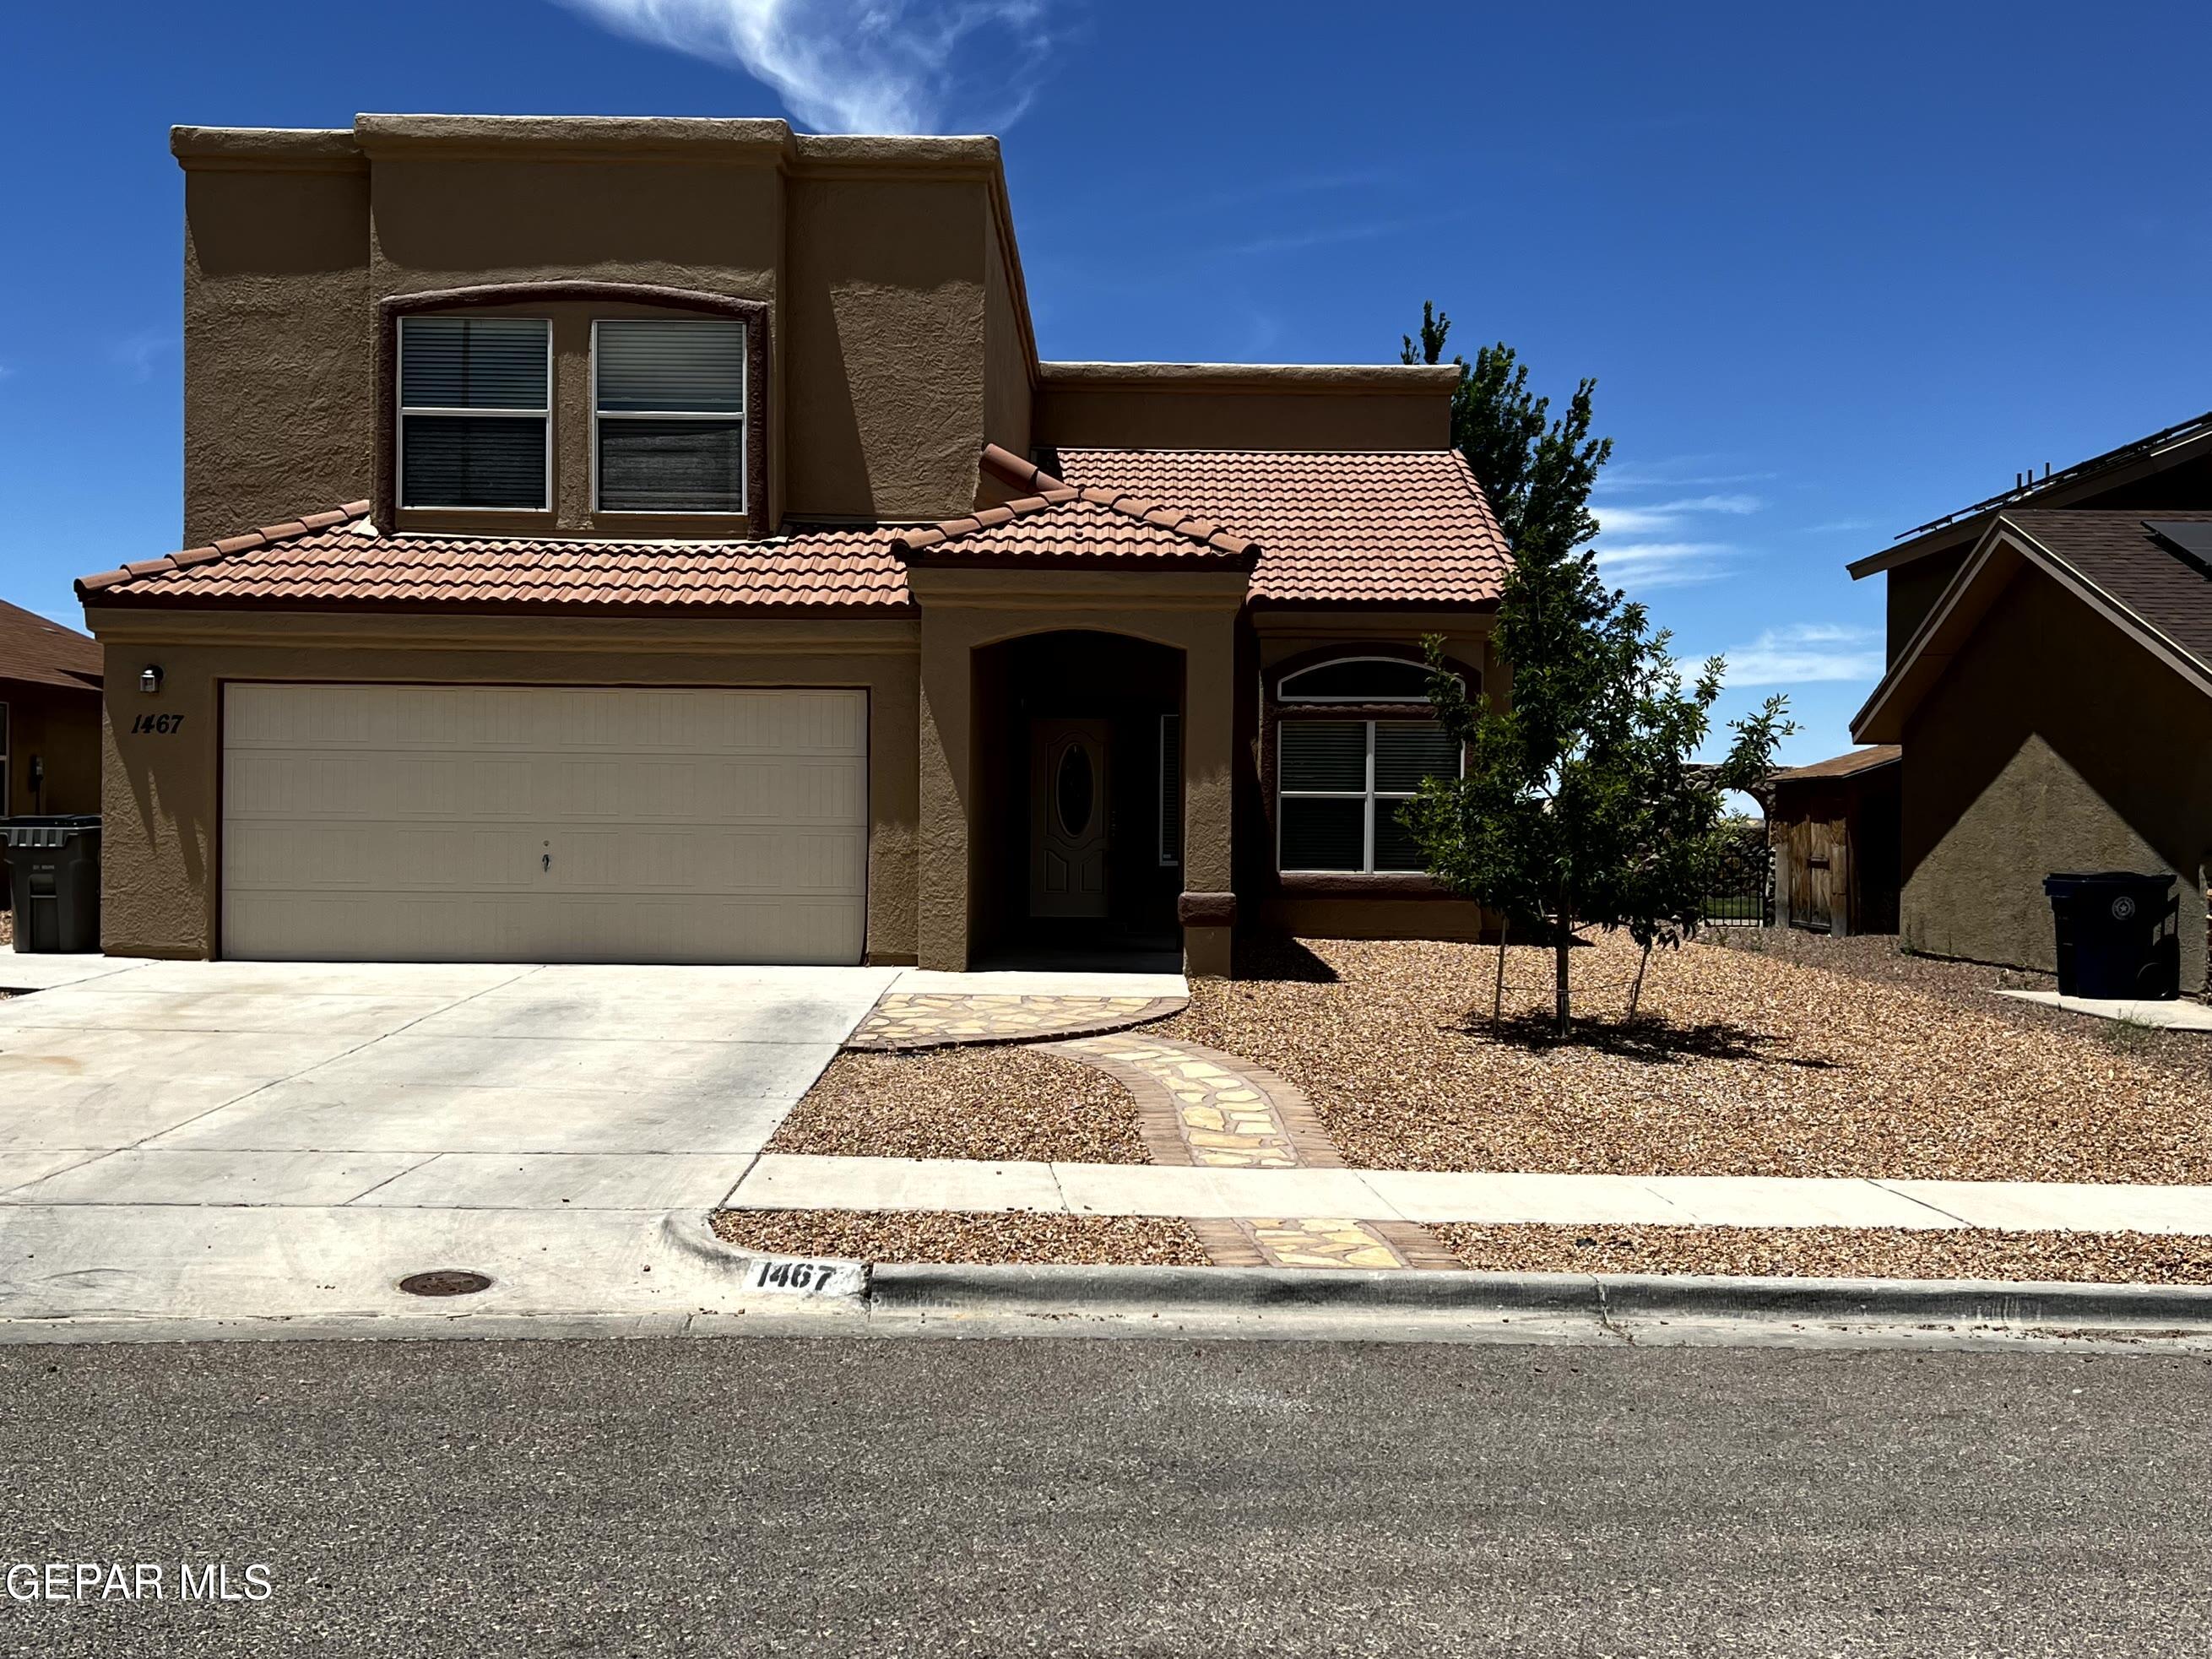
(903, 1020)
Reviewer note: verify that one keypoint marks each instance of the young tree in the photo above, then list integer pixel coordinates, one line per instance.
(1533, 469)
(1582, 804)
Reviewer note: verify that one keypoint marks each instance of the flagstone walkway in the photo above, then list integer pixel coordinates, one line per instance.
(1197, 1108)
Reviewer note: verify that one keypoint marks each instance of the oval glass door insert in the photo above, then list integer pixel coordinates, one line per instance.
(1073, 789)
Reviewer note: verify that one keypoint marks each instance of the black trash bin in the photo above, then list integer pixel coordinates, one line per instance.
(2117, 935)
(53, 881)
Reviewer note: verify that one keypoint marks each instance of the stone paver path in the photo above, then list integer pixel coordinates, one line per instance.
(943, 1019)
(1202, 1109)
(1197, 1108)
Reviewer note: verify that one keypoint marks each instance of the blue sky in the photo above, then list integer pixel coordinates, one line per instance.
(1835, 272)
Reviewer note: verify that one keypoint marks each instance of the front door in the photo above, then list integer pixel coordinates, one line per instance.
(1068, 817)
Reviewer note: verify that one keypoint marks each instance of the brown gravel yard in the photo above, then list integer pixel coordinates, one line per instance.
(1021, 1235)
(1835, 1253)
(980, 1102)
(1971, 985)
(1745, 1063)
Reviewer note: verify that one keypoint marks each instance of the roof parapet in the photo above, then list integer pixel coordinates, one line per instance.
(1338, 377)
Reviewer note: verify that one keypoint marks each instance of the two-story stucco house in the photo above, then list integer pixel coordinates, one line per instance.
(673, 550)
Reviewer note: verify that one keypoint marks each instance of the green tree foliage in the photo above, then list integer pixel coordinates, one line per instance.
(1535, 470)
(1582, 804)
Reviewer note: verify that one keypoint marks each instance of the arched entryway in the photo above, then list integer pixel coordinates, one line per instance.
(1076, 853)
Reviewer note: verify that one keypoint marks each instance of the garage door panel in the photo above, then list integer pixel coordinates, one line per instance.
(515, 824)
(826, 932)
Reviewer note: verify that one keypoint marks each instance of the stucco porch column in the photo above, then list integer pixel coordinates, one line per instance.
(1194, 612)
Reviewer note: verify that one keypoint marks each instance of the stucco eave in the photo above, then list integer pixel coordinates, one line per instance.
(317, 149)
(1331, 379)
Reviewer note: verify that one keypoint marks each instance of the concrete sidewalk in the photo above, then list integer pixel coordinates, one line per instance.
(781, 1181)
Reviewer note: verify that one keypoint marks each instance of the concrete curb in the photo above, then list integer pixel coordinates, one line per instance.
(1611, 1300)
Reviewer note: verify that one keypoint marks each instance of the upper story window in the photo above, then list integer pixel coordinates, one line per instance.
(1357, 679)
(668, 409)
(476, 418)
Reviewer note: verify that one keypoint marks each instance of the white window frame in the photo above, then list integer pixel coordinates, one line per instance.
(400, 420)
(743, 418)
(1368, 794)
(1284, 694)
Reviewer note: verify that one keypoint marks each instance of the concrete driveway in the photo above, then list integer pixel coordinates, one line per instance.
(407, 1086)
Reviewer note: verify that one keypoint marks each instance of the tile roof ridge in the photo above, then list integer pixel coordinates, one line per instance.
(1050, 492)
(188, 558)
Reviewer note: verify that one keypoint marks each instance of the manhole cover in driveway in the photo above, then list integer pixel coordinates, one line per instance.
(444, 1281)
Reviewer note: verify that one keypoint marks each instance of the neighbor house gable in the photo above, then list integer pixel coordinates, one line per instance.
(2113, 562)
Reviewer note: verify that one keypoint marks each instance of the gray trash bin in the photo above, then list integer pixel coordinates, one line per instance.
(53, 881)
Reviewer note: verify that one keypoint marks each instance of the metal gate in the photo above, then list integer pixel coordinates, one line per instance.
(1742, 892)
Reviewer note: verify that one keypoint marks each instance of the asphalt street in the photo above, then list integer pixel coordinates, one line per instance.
(922, 1497)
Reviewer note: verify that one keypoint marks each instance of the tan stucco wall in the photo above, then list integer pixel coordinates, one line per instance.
(160, 855)
(1010, 361)
(875, 262)
(280, 343)
(1195, 612)
(885, 363)
(62, 729)
(1911, 592)
(1214, 406)
(2019, 762)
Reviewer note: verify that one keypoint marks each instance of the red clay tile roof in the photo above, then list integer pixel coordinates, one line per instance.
(36, 652)
(330, 559)
(1059, 523)
(1400, 529)
(1405, 528)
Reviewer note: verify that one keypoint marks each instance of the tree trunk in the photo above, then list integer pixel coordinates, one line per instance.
(1636, 991)
(1563, 942)
(1497, 994)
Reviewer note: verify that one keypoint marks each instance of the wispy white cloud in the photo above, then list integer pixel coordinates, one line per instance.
(1646, 565)
(1322, 235)
(1805, 652)
(891, 66)
(1834, 525)
(1646, 519)
(136, 355)
(1681, 472)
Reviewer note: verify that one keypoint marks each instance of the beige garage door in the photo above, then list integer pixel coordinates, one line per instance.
(510, 823)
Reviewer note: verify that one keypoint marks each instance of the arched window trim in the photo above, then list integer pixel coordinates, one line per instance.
(1285, 691)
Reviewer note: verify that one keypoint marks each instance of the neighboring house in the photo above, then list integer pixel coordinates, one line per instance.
(49, 717)
(2050, 681)
(674, 551)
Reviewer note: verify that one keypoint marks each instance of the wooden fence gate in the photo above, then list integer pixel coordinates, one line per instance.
(1816, 872)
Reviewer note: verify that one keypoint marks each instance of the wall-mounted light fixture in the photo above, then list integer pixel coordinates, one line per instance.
(149, 679)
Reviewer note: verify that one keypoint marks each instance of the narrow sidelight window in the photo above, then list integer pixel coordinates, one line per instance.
(669, 416)
(475, 412)
(1171, 790)
(1341, 785)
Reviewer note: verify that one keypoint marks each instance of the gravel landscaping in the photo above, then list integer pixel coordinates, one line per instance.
(986, 1102)
(1971, 985)
(1835, 1253)
(1020, 1236)
(1744, 1062)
